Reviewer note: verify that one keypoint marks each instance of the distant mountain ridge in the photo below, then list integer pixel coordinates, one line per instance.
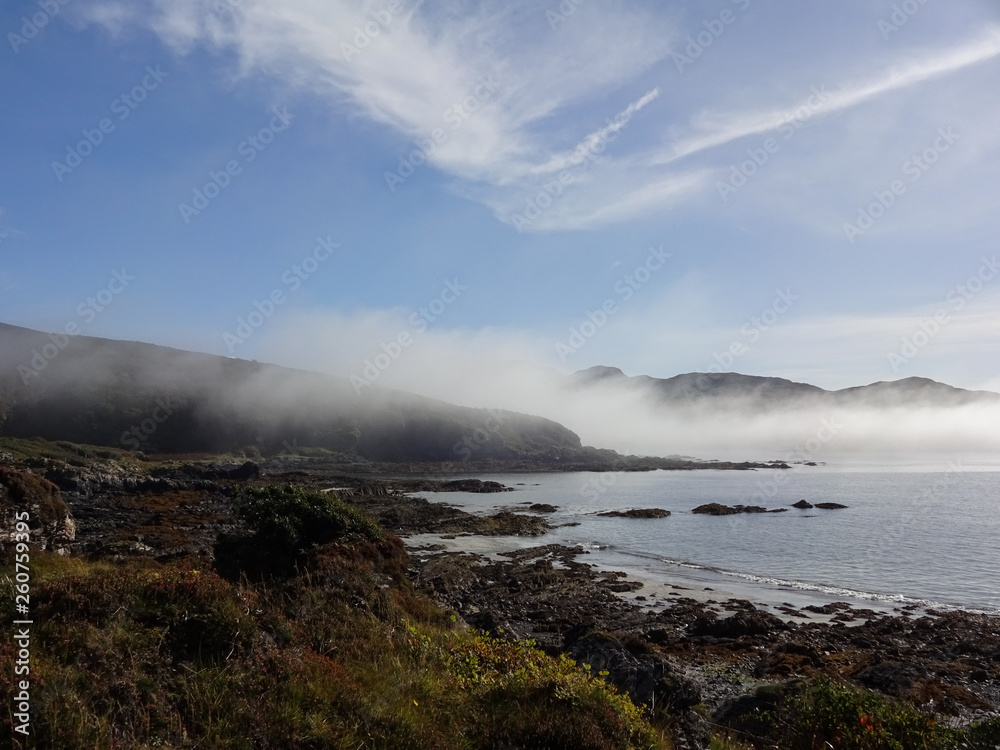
(752, 390)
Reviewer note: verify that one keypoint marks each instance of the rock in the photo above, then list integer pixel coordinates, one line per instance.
(636, 513)
(802, 505)
(890, 677)
(830, 506)
(752, 713)
(23, 493)
(648, 678)
(744, 622)
(715, 509)
(542, 508)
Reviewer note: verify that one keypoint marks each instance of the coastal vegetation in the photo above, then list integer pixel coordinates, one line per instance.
(338, 650)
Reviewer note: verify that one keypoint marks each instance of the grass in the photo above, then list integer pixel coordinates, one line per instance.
(826, 714)
(341, 653)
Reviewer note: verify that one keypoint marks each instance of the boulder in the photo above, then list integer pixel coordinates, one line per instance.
(636, 513)
(744, 622)
(802, 505)
(830, 506)
(648, 678)
(50, 523)
(715, 509)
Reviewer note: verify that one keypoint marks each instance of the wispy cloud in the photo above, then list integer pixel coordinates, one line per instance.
(716, 129)
(411, 70)
(593, 141)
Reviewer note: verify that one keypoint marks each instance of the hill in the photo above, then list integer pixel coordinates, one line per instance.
(162, 400)
(750, 391)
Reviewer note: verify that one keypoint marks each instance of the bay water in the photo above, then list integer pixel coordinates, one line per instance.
(920, 530)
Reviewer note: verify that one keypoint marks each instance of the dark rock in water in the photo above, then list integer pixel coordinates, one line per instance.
(802, 504)
(715, 509)
(830, 506)
(542, 508)
(636, 513)
(473, 485)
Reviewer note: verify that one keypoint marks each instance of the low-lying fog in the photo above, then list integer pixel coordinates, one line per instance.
(500, 371)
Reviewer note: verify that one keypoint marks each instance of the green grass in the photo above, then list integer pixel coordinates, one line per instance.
(76, 454)
(825, 714)
(344, 653)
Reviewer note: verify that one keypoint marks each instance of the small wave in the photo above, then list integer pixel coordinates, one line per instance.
(833, 591)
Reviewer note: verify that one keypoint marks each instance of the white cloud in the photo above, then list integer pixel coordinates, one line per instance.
(427, 60)
(715, 129)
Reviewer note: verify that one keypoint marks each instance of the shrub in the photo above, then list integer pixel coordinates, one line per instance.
(285, 524)
(826, 714)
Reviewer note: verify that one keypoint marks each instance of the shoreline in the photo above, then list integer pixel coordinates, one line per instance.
(718, 646)
(710, 589)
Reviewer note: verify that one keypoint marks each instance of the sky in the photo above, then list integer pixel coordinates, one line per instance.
(438, 196)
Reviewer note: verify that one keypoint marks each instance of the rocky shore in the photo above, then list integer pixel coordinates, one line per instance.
(715, 662)
(684, 651)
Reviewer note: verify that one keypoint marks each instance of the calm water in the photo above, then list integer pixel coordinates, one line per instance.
(919, 531)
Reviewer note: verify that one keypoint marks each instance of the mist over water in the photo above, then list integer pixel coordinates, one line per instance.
(493, 369)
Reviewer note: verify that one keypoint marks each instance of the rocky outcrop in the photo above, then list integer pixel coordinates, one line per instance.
(636, 513)
(26, 494)
(830, 506)
(742, 623)
(802, 505)
(649, 679)
(717, 509)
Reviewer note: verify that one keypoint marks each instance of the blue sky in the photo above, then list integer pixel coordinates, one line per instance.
(819, 180)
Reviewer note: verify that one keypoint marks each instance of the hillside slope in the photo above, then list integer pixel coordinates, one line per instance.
(157, 399)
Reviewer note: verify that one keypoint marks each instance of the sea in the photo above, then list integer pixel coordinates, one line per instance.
(921, 531)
